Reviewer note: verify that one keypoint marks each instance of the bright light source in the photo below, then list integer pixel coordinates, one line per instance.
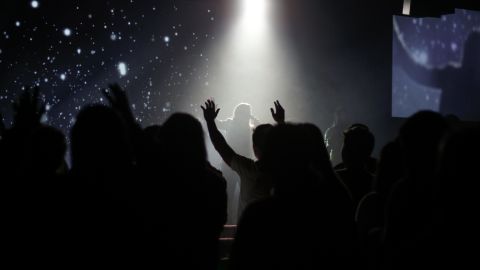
(406, 7)
(254, 9)
(251, 64)
(254, 13)
(122, 69)
(67, 32)
(34, 4)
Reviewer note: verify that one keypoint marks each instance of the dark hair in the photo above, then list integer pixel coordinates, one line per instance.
(48, 148)
(183, 141)
(420, 137)
(99, 137)
(259, 136)
(359, 141)
(296, 155)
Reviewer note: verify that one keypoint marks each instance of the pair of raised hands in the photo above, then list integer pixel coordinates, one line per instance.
(210, 111)
(29, 108)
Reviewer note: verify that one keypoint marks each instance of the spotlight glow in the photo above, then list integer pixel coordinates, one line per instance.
(254, 13)
(251, 64)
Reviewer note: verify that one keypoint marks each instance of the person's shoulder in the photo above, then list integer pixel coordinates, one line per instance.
(227, 122)
(259, 209)
(242, 163)
(242, 159)
(214, 176)
(335, 129)
(329, 130)
(213, 170)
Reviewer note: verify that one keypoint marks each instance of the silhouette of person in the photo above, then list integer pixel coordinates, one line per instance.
(28, 110)
(408, 225)
(252, 186)
(31, 154)
(457, 201)
(459, 82)
(99, 187)
(371, 209)
(334, 136)
(308, 221)
(191, 198)
(47, 152)
(238, 129)
(370, 214)
(357, 148)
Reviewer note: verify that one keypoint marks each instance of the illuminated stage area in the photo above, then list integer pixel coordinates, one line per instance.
(169, 56)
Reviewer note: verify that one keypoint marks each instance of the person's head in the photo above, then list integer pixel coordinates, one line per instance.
(152, 133)
(471, 51)
(242, 113)
(419, 140)
(319, 154)
(99, 139)
(295, 155)
(48, 147)
(340, 116)
(183, 141)
(358, 146)
(259, 139)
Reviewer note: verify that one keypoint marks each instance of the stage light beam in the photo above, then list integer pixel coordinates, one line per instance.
(254, 14)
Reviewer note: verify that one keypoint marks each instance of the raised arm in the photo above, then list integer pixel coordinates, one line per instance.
(210, 112)
(29, 109)
(117, 97)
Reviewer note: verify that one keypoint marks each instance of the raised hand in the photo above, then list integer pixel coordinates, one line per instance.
(278, 113)
(117, 97)
(28, 109)
(210, 112)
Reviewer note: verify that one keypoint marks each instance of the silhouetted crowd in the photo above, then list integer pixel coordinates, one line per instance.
(148, 198)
